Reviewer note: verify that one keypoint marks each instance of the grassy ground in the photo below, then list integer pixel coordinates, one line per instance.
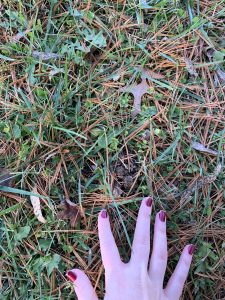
(67, 128)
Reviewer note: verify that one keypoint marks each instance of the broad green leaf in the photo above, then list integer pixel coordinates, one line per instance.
(218, 56)
(16, 131)
(22, 233)
(44, 244)
(53, 264)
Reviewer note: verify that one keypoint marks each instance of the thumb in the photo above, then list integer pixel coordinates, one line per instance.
(82, 285)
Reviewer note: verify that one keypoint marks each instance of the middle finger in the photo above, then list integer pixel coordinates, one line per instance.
(141, 242)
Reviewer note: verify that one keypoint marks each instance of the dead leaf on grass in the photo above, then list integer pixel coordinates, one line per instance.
(198, 184)
(138, 90)
(70, 211)
(20, 35)
(219, 75)
(190, 67)
(35, 201)
(6, 178)
(146, 135)
(145, 73)
(202, 148)
(45, 55)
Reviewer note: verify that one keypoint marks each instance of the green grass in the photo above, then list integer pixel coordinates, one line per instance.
(65, 127)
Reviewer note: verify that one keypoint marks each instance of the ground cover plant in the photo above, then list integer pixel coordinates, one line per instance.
(76, 136)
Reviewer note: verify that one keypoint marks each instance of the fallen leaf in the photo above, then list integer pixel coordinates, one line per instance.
(145, 73)
(6, 178)
(202, 148)
(198, 184)
(19, 35)
(138, 90)
(221, 75)
(146, 135)
(45, 55)
(70, 211)
(190, 67)
(35, 201)
(117, 192)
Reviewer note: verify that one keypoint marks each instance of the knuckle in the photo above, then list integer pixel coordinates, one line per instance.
(144, 242)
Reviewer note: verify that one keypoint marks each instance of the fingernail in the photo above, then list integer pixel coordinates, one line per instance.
(162, 216)
(71, 276)
(104, 214)
(191, 249)
(149, 201)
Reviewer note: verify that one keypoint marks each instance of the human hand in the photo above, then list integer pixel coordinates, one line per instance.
(134, 280)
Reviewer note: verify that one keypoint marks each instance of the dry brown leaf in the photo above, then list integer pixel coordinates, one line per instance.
(117, 192)
(20, 35)
(70, 211)
(6, 178)
(45, 55)
(138, 90)
(35, 201)
(145, 73)
(221, 75)
(201, 182)
(202, 148)
(190, 67)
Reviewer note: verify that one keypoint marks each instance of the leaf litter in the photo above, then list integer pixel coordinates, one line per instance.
(69, 211)
(138, 90)
(219, 75)
(6, 179)
(20, 35)
(45, 55)
(124, 172)
(202, 148)
(198, 184)
(190, 67)
(35, 201)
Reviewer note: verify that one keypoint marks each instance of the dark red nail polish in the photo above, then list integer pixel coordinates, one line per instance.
(162, 216)
(191, 249)
(104, 214)
(149, 202)
(71, 276)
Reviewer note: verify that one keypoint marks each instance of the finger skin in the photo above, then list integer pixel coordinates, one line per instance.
(109, 251)
(141, 242)
(159, 253)
(83, 287)
(176, 283)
